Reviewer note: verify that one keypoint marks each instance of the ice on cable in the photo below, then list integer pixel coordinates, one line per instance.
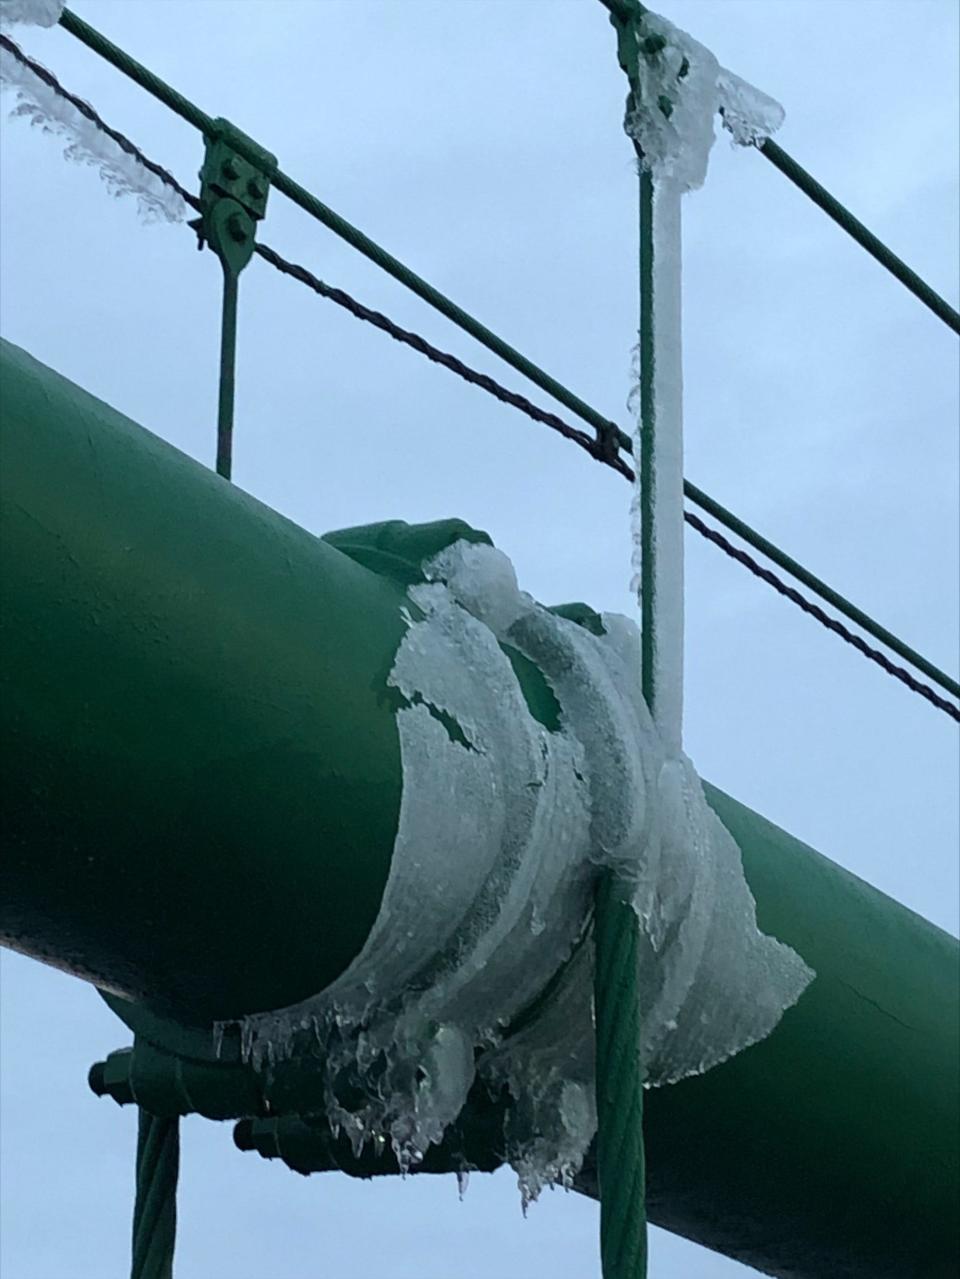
(122, 173)
(479, 967)
(480, 964)
(679, 86)
(37, 13)
(749, 115)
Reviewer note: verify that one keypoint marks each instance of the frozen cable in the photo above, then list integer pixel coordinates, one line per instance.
(124, 168)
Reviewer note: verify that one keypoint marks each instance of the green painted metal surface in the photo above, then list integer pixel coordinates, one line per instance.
(201, 785)
(831, 1148)
(200, 796)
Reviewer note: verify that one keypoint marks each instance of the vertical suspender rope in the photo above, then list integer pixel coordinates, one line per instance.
(155, 1208)
(228, 363)
(621, 1167)
(157, 1170)
(658, 537)
(233, 199)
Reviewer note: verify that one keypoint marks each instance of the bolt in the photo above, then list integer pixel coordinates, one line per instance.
(230, 170)
(255, 189)
(237, 228)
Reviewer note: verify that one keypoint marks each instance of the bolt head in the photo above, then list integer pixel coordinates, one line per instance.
(237, 228)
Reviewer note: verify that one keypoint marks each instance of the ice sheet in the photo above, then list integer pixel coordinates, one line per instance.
(503, 828)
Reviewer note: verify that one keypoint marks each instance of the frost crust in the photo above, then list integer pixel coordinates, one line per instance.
(503, 825)
(122, 173)
(679, 87)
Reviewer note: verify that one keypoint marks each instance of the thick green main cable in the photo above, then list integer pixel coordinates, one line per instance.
(606, 429)
(864, 237)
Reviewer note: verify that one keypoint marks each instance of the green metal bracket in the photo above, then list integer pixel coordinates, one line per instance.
(168, 1085)
(233, 199)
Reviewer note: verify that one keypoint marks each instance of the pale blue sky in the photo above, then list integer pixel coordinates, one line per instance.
(480, 141)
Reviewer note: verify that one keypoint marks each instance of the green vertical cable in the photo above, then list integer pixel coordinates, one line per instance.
(647, 470)
(155, 1209)
(621, 1170)
(621, 1165)
(228, 363)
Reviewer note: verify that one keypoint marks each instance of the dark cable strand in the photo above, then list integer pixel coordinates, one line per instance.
(443, 358)
(823, 618)
(595, 450)
(88, 113)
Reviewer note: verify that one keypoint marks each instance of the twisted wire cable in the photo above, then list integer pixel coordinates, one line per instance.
(155, 1208)
(621, 1163)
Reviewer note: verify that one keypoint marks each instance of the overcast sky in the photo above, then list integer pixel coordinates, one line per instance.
(480, 141)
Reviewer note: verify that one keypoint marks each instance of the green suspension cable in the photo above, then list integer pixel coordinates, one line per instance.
(818, 586)
(621, 1168)
(228, 363)
(155, 1209)
(620, 1068)
(771, 151)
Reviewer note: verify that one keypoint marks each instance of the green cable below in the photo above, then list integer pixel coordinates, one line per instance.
(155, 1209)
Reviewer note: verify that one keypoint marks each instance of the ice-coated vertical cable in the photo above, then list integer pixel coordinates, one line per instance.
(155, 1208)
(658, 524)
(621, 1164)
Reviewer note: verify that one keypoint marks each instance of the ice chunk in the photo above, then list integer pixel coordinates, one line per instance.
(678, 88)
(122, 173)
(658, 549)
(670, 115)
(749, 115)
(504, 821)
(37, 13)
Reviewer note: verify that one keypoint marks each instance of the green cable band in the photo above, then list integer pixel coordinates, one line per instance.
(155, 1210)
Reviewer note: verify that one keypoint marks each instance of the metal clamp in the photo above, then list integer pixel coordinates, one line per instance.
(234, 185)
